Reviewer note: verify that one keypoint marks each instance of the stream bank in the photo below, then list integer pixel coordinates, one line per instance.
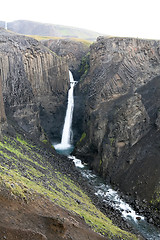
(115, 201)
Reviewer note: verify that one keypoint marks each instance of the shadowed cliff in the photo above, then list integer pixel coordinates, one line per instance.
(35, 82)
(121, 114)
(41, 194)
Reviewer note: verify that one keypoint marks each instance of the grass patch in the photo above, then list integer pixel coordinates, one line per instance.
(40, 38)
(24, 172)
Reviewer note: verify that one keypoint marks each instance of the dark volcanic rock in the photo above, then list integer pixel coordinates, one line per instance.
(75, 55)
(121, 123)
(71, 50)
(33, 79)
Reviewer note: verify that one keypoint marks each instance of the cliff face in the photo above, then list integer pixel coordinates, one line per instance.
(3, 122)
(35, 82)
(75, 54)
(71, 50)
(122, 109)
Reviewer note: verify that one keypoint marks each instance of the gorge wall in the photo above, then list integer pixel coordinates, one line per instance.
(71, 50)
(34, 81)
(34, 180)
(76, 55)
(121, 121)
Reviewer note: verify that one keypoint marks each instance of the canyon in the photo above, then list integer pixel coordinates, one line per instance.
(116, 120)
(40, 194)
(120, 136)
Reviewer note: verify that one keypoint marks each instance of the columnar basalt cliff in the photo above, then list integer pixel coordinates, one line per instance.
(3, 119)
(76, 54)
(35, 82)
(42, 194)
(121, 123)
(71, 50)
(2, 110)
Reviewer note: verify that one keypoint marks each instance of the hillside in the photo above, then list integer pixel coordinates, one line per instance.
(41, 191)
(45, 29)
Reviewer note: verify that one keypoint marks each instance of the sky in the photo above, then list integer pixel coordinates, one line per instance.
(126, 18)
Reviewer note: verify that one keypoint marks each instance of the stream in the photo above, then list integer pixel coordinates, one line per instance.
(112, 198)
(102, 190)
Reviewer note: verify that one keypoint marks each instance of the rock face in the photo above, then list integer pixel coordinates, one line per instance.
(3, 122)
(75, 54)
(35, 82)
(2, 110)
(73, 51)
(121, 124)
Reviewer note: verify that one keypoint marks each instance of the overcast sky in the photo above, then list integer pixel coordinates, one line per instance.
(132, 18)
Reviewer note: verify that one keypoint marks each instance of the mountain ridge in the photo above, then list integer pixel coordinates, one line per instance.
(47, 29)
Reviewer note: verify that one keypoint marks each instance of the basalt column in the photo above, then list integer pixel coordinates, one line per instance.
(2, 110)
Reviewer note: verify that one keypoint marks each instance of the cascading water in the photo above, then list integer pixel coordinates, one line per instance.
(112, 198)
(104, 191)
(65, 145)
(6, 27)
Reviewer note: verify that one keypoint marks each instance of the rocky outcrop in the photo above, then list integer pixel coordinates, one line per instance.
(71, 50)
(35, 82)
(121, 111)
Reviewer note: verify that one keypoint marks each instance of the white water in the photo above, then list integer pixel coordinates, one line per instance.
(6, 25)
(112, 198)
(67, 128)
(104, 191)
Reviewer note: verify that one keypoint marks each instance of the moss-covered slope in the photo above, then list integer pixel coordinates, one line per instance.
(26, 169)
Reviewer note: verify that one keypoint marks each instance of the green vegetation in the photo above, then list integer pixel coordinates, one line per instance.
(66, 31)
(111, 141)
(81, 139)
(40, 38)
(84, 67)
(25, 171)
(156, 198)
(45, 141)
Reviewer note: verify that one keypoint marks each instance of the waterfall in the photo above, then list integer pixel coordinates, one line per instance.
(67, 128)
(6, 27)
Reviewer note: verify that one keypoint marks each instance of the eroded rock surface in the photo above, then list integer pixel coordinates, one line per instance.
(35, 82)
(121, 109)
(71, 50)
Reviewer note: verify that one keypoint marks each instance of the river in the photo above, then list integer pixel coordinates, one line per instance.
(102, 190)
(112, 198)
